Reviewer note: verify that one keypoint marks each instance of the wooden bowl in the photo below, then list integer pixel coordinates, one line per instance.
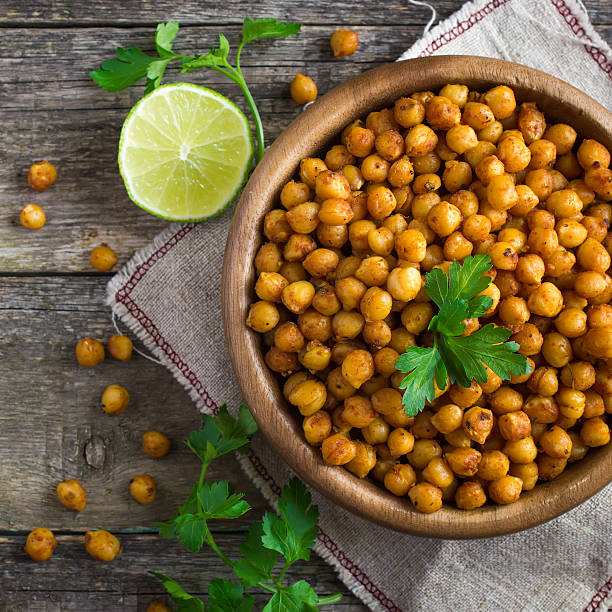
(307, 136)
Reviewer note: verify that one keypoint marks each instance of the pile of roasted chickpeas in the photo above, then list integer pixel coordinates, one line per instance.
(340, 293)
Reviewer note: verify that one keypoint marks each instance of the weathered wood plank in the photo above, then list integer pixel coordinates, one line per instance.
(51, 413)
(193, 12)
(71, 573)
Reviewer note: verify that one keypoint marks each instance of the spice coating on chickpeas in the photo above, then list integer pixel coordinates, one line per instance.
(143, 488)
(89, 352)
(439, 176)
(72, 495)
(102, 545)
(155, 443)
(32, 217)
(42, 175)
(40, 544)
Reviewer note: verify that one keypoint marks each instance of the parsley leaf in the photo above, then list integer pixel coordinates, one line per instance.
(424, 366)
(130, 66)
(299, 597)
(191, 530)
(266, 27)
(258, 562)
(227, 596)
(216, 57)
(454, 357)
(164, 35)
(294, 534)
(217, 503)
(187, 602)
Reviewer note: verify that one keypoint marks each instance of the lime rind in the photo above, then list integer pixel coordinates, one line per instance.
(158, 180)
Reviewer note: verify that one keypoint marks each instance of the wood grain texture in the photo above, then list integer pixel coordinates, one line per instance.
(71, 577)
(260, 387)
(54, 426)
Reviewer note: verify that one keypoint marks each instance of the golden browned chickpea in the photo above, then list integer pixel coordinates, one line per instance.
(263, 316)
(276, 226)
(381, 202)
(269, 286)
(501, 192)
(158, 606)
(358, 367)
(358, 236)
(317, 427)
(595, 432)
(505, 399)
(364, 460)
(457, 247)
(298, 296)
(377, 432)
(543, 241)
(310, 167)
(347, 325)
(591, 152)
(568, 165)
(420, 140)
(319, 263)
(521, 451)
(424, 451)
(457, 175)
(344, 43)
(325, 299)
(411, 245)
(514, 425)
(513, 312)
(400, 442)
(143, 488)
(489, 167)
(572, 300)
(32, 217)
(72, 495)
(501, 100)
(360, 141)
(373, 271)
(546, 300)
(579, 448)
(332, 236)
(493, 465)
(527, 201)
(155, 443)
(304, 218)
(422, 427)
(599, 342)
(426, 497)
(103, 258)
(470, 495)
(404, 284)
(550, 467)
(389, 145)
(420, 207)
(544, 381)
(294, 193)
(314, 357)
(592, 255)
(399, 479)
(448, 418)
(120, 347)
(505, 490)
(562, 135)
(597, 228)
(375, 304)
(463, 461)
(529, 339)
(477, 423)
(527, 472)
(594, 404)
(461, 138)
(543, 154)
(303, 89)
(442, 114)
(556, 349)
(353, 176)
(503, 256)
(330, 184)
(476, 227)
(558, 179)
(541, 409)
(40, 544)
(115, 399)
(514, 154)
(416, 317)
(350, 290)
(102, 545)
(599, 180)
(380, 121)
(590, 284)
(556, 442)
(477, 115)
(281, 362)
(89, 352)
(599, 315)
(531, 122)
(42, 175)
(408, 112)
(491, 133)
(293, 271)
(308, 396)
(530, 269)
(584, 193)
(571, 233)
(374, 168)
(458, 94)
(578, 375)
(424, 183)
(492, 291)
(438, 473)
(358, 411)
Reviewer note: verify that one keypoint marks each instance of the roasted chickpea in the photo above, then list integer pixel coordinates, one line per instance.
(463, 461)
(143, 488)
(404, 284)
(555, 442)
(360, 141)
(477, 115)
(543, 154)
(294, 193)
(592, 255)
(317, 427)
(377, 432)
(522, 450)
(115, 399)
(562, 135)
(578, 375)
(420, 140)
(375, 304)
(543, 241)
(344, 43)
(408, 112)
(505, 490)
(155, 444)
(493, 465)
(89, 352)
(281, 362)
(550, 467)
(298, 296)
(364, 460)
(470, 495)
(599, 342)
(591, 152)
(276, 226)
(72, 495)
(399, 479)
(338, 449)
(293, 271)
(501, 192)
(310, 167)
(40, 544)
(390, 146)
(158, 606)
(501, 101)
(438, 473)
(102, 545)
(513, 153)
(262, 317)
(531, 122)
(513, 311)
(269, 286)
(595, 432)
(599, 315)
(568, 165)
(426, 497)
(303, 89)
(103, 258)
(32, 217)
(325, 299)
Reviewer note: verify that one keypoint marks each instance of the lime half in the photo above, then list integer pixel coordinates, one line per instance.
(185, 152)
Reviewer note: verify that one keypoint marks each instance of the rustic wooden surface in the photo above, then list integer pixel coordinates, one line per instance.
(50, 421)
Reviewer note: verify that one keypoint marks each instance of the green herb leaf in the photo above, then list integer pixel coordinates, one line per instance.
(449, 319)
(423, 366)
(468, 280)
(164, 35)
(215, 58)
(130, 66)
(294, 536)
(266, 28)
(299, 597)
(436, 286)
(228, 596)
(187, 602)
(258, 562)
(191, 530)
(478, 306)
(217, 502)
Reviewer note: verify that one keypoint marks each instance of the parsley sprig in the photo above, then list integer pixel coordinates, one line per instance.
(453, 357)
(131, 65)
(288, 537)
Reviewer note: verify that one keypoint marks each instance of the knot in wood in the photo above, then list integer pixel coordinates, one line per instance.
(95, 452)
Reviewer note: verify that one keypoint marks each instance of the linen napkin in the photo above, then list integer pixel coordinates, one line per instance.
(169, 296)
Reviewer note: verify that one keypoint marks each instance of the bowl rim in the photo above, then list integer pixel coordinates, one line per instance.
(259, 387)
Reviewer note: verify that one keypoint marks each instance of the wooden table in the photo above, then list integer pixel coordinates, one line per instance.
(51, 424)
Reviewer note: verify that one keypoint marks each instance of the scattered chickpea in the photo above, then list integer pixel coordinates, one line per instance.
(102, 545)
(344, 43)
(158, 606)
(40, 544)
(89, 352)
(42, 175)
(115, 399)
(143, 488)
(72, 495)
(103, 258)
(120, 347)
(155, 443)
(32, 216)
(303, 89)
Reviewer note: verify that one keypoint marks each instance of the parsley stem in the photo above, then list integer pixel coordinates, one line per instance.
(329, 599)
(266, 587)
(256, 118)
(210, 540)
(279, 580)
